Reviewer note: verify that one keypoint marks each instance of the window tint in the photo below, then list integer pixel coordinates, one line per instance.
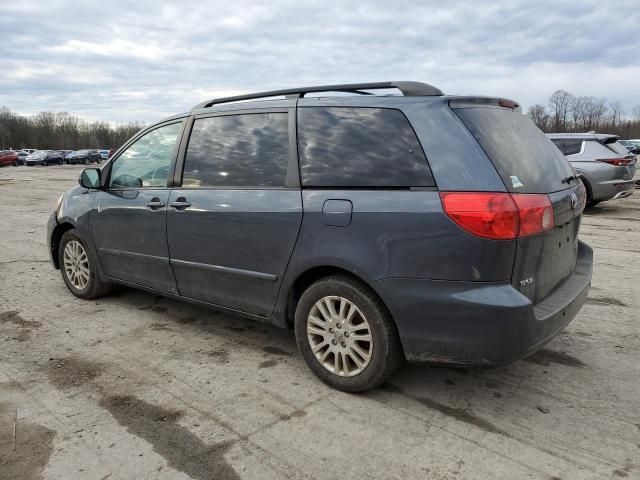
(145, 163)
(558, 142)
(523, 156)
(359, 147)
(250, 150)
(572, 146)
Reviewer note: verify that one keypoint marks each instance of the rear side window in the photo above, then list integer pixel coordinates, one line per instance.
(568, 146)
(359, 147)
(249, 150)
(572, 146)
(523, 156)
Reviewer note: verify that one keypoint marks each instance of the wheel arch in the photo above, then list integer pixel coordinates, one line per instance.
(312, 275)
(56, 236)
(587, 186)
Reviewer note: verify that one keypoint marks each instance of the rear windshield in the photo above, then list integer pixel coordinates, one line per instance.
(524, 157)
(617, 148)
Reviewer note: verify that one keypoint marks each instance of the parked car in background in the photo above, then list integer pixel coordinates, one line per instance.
(44, 158)
(104, 154)
(605, 167)
(21, 157)
(29, 150)
(436, 228)
(112, 151)
(633, 147)
(8, 157)
(83, 156)
(64, 153)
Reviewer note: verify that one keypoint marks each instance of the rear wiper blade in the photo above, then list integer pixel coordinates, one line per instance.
(569, 179)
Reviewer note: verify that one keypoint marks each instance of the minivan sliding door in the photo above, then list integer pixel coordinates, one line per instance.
(233, 223)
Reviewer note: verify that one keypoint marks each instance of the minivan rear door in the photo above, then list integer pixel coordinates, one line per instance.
(234, 220)
(529, 163)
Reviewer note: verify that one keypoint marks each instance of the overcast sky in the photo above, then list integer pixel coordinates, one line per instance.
(111, 61)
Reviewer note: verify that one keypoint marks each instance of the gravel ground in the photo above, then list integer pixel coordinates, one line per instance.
(135, 386)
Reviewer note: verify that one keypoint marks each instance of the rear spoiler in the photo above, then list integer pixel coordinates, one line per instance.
(470, 102)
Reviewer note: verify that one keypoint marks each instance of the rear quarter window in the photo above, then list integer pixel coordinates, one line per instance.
(524, 157)
(344, 147)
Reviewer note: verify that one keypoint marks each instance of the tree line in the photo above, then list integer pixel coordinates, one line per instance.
(60, 131)
(567, 113)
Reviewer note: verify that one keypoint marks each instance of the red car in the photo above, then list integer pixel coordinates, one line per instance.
(8, 157)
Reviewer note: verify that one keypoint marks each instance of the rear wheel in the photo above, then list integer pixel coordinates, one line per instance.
(44, 164)
(86, 161)
(346, 335)
(78, 267)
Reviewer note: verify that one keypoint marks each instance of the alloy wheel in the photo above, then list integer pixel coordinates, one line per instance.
(76, 264)
(340, 336)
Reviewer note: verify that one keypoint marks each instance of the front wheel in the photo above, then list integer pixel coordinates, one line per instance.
(44, 164)
(78, 267)
(346, 335)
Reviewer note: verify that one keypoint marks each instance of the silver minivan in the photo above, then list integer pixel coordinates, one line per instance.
(605, 167)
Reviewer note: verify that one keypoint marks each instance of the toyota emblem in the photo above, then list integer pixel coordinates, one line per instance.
(574, 200)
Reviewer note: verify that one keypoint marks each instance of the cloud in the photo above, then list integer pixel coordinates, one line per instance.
(118, 61)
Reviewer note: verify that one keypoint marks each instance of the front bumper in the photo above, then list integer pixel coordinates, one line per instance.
(480, 323)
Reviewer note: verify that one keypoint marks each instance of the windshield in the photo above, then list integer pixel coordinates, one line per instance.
(524, 157)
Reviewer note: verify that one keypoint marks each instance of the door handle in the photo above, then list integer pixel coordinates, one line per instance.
(180, 203)
(155, 203)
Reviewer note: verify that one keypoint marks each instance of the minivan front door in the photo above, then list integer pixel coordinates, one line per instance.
(130, 218)
(234, 222)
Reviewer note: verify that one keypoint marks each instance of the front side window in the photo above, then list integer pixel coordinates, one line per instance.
(145, 163)
(247, 150)
(344, 147)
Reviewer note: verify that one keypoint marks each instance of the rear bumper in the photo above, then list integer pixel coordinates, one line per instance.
(480, 323)
(612, 189)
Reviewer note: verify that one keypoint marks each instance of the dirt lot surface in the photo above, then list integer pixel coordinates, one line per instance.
(135, 386)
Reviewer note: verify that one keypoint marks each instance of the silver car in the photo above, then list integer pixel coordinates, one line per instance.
(605, 167)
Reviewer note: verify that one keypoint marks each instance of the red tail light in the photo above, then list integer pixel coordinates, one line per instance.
(618, 162)
(499, 216)
(536, 213)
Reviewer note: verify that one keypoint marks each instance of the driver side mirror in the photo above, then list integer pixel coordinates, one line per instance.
(90, 178)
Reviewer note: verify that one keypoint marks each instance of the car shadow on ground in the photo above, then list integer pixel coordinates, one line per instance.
(437, 380)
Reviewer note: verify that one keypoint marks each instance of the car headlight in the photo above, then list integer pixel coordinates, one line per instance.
(59, 204)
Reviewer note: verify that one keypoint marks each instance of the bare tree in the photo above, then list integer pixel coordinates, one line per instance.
(48, 130)
(538, 113)
(615, 114)
(560, 103)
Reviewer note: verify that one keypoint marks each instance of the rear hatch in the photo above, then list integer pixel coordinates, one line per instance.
(529, 163)
(618, 156)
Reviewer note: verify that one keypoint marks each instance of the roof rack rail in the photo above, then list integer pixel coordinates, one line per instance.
(407, 88)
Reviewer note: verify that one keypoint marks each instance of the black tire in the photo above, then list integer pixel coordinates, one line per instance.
(95, 286)
(86, 161)
(386, 354)
(44, 164)
(15, 164)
